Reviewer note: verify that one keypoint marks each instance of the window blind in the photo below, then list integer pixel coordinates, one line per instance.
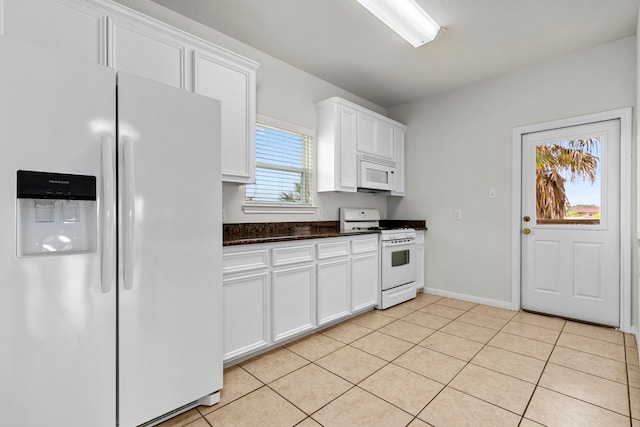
(283, 167)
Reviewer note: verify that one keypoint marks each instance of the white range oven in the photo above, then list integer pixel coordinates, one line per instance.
(397, 255)
(397, 266)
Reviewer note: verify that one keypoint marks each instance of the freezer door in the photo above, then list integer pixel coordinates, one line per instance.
(57, 320)
(170, 291)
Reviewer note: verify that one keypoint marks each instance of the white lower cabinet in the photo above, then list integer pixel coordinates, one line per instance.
(333, 290)
(274, 292)
(245, 302)
(420, 259)
(365, 272)
(292, 301)
(364, 281)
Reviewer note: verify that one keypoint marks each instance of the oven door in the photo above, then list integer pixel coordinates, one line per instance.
(398, 264)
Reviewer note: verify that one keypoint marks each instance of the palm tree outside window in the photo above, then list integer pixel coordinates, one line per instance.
(568, 182)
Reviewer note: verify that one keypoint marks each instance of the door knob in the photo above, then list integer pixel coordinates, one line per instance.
(526, 218)
(526, 230)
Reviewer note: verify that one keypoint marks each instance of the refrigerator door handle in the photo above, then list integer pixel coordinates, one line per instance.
(108, 211)
(130, 213)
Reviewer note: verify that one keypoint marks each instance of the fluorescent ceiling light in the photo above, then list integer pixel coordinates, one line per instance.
(406, 18)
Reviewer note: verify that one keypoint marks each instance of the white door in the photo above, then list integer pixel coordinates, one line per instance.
(57, 321)
(170, 291)
(571, 245)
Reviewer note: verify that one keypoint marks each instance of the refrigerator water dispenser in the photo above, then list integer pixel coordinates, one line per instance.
(56, 213)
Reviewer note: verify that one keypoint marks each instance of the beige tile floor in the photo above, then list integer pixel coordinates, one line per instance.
(436, 361)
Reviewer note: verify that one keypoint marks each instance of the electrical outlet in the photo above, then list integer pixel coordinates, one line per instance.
(492, 193)
(319, 213)
(457, 214)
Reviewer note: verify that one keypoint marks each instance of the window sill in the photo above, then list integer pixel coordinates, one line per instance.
(278, 208)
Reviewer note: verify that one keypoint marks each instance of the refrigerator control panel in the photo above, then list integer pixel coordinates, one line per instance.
(56, 213)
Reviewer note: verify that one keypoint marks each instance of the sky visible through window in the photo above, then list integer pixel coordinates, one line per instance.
(583, 192)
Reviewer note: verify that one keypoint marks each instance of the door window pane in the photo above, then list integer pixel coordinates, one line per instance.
(568, 182)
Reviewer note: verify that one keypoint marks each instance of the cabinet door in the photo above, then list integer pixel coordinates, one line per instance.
(366, 133)
(292, 301)
(420, 261)
(245, 314)
(419, 267)
(384, 140)
(68, 27)
(348, 162)
(364, 281)
(333, 290)
(235, 87)
(375, 136)
(146, 51)
(398, 145)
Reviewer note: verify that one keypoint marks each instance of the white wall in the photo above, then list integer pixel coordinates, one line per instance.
(459, 144)
(284, 93)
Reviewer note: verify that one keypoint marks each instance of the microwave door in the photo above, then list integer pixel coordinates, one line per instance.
(377, 177)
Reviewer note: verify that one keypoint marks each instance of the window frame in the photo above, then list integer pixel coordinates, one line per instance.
(265, 207)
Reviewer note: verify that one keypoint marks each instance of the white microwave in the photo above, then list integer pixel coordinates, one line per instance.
(376, 174)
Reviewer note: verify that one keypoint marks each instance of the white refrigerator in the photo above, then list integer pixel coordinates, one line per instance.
(111, 244)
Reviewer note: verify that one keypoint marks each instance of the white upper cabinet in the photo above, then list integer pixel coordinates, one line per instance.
(147, 51)
(366, 133)
(336, 145)
(232, 81)
(375, 136)
(346, 130)
(72, 28)
(107, 33)
(398, 146)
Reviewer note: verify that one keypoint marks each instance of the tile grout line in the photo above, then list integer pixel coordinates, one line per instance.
(356, 385)
(467, 362)
(537, 384)
(415, 345)
(353, 385)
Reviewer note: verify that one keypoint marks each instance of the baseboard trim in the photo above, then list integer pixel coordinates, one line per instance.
(471, 298)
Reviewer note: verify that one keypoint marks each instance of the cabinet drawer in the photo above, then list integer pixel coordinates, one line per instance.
(369, 244)
(333, 249)
(292, 255)
(244, 261)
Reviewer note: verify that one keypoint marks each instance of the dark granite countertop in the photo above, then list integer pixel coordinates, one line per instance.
(268, 232)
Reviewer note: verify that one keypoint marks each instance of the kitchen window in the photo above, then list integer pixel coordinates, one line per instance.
(283, 166)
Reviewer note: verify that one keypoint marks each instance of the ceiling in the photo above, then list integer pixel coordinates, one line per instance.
(341, 42)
